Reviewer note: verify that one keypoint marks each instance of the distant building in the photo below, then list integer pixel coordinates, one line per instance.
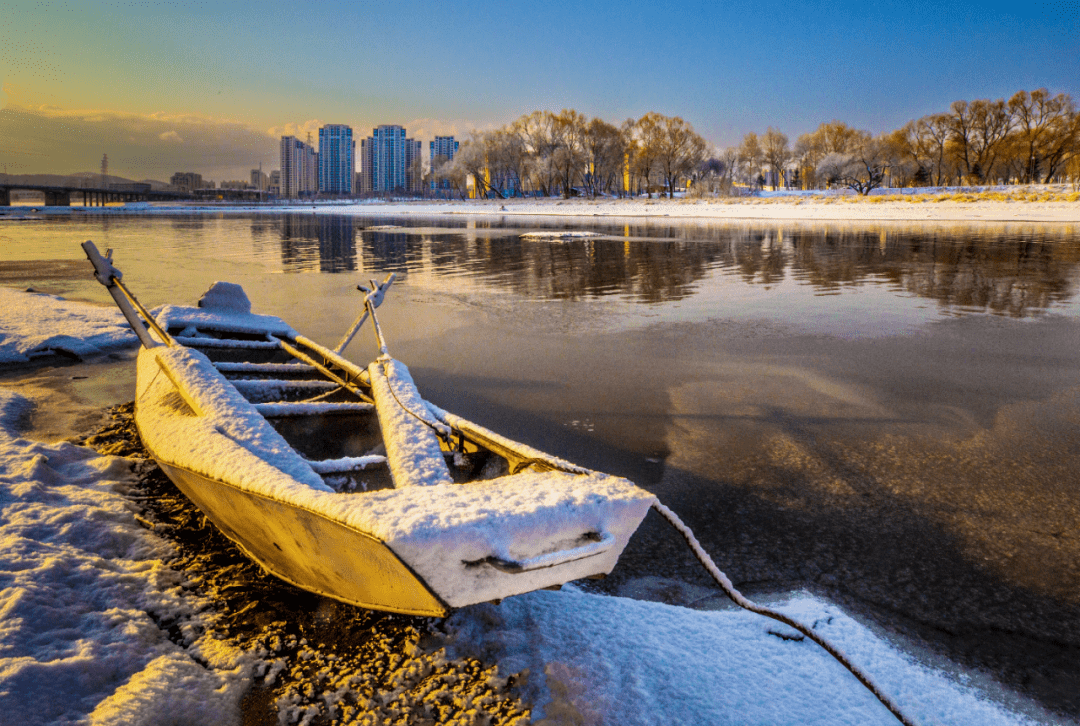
(259, 180)
(238, 184)
(443, 146)
(390, 162)
(442, 150)
(186, 181)
(337, 160)
(299, 168)
(274, 186)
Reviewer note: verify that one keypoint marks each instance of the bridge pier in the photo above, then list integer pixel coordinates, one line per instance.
(57, 199)
(5, 197)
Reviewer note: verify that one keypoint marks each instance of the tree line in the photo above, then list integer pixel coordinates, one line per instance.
(567, 154)
(1031, 138)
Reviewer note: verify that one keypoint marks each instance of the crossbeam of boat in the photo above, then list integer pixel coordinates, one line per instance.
(282, 409)
(346, 464)
(200, 342)
(226, 367)
(251, 385)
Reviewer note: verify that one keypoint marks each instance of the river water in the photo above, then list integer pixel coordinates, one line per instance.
(886, 415)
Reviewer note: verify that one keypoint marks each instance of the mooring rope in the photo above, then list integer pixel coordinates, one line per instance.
(738, 598)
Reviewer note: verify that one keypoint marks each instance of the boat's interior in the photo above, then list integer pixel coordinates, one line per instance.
(324, 411)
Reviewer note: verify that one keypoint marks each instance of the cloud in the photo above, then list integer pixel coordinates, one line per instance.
(300, 131)
(429, 128)
(47, 139)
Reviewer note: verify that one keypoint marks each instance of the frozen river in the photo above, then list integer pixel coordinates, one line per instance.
(888, 416)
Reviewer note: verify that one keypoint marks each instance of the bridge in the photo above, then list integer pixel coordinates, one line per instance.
(61, 196)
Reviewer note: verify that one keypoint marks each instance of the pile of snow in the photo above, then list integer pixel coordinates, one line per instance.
(86, 600)
(607, 660)
(34, 324)
(564, 234)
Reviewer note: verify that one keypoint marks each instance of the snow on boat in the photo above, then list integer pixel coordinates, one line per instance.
(342, 480)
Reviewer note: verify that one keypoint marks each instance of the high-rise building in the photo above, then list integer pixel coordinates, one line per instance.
(390, 162)
(299, 168)
(337, 159)
(274, 186)
(186, 181)
(259, 180)
(443, 146)
(442, 150)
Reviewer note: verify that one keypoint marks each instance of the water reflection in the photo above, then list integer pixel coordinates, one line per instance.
(1013, 274)
(314, 242)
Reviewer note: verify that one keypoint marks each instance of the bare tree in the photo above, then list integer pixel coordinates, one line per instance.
(750, 158)
(604, 147)
(775, 152)
(539, 137)
(647, 134)
(1045, 128)
(569, 127)
(979, 130)
(472, 159)
(681, 149)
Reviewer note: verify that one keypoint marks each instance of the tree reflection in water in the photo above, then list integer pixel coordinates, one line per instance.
(1007, 270)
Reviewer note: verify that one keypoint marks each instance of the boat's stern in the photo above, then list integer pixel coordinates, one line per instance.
(492, 539)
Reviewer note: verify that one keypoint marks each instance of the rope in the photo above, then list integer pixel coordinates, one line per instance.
(741, 601)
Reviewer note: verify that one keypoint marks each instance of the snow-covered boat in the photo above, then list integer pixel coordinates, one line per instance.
(342, 479)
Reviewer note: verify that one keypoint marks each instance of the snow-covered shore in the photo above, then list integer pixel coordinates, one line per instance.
(795, 208)
(95, 627)
(34, 325)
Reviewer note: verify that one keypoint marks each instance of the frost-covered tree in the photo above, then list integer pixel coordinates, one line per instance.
(862, 169)
(834, 137)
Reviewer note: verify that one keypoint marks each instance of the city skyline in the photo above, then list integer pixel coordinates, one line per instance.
(133, 81)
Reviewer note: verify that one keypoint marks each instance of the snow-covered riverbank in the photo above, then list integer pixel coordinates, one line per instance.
(34, 325)
(793, 208)
(96, 626)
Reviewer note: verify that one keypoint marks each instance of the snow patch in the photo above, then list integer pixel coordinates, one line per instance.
(612, 661)
(83, 593)
(34, 324)
(564, 234)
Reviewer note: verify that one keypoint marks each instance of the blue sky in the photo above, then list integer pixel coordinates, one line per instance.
(227, 74)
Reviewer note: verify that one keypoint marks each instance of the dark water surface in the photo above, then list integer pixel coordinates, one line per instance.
(887, 415)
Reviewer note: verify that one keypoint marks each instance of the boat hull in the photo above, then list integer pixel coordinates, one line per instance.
(308, 550)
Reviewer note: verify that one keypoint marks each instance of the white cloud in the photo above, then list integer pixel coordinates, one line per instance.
(429, 128)
(300, 130)
(171, 136)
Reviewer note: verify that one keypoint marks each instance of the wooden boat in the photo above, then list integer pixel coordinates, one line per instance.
(342, 479)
